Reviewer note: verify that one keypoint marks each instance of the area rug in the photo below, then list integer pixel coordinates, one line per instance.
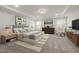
(36, 47)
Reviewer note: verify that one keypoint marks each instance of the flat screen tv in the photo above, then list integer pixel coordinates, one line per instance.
(75, 24)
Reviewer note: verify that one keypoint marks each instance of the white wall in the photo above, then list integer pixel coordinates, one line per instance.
(72, 16)
(33, 25)
(39, 24)
(6, 19)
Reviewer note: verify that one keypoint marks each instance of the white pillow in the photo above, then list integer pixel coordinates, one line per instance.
(17, 30)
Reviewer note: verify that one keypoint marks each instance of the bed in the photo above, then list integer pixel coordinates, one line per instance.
(32, 36)
(27, 35)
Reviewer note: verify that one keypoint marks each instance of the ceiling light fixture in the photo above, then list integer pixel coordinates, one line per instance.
(16, 5)
(42, 11)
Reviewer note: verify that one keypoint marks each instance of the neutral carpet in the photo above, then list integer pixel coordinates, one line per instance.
(54, 44)
(29, 46)
(37, 46)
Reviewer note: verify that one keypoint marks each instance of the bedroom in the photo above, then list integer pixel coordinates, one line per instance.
(28, 21)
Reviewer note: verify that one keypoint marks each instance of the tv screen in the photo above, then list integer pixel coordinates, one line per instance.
(75, 24)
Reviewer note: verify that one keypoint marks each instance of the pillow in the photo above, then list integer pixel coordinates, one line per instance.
(19, 30)
(7, 31)
(16, 30)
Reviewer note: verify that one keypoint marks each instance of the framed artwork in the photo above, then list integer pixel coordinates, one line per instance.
(19, 20)
(48, 23)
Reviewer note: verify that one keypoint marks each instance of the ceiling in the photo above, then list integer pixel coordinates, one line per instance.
(32, 10)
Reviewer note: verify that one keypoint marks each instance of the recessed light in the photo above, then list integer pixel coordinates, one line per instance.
(16, 5)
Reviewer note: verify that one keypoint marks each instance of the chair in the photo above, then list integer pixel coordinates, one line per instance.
(7, 34)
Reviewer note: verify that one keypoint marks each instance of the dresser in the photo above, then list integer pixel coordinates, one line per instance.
(73, 37)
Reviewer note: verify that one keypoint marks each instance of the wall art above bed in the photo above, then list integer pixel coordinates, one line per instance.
(20, 21)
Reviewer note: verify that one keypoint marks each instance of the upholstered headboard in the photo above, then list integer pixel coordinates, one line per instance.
(20, 28)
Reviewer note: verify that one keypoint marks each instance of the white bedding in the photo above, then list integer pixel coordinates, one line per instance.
(33, 34)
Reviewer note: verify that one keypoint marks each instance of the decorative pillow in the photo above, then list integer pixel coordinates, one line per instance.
(19, 30)
(16, 30)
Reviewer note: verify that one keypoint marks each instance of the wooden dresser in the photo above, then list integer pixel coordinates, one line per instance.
(73, 37)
